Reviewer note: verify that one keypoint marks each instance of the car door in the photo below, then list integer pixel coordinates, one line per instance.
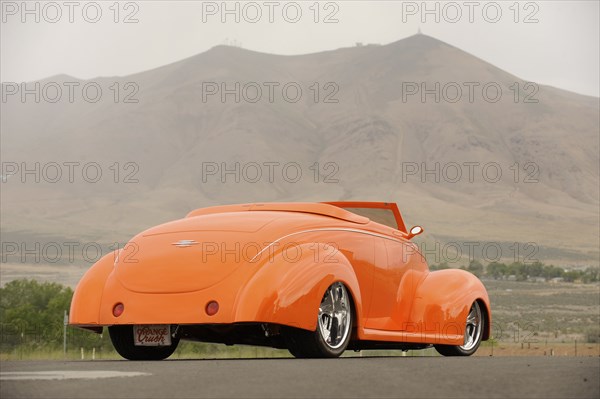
(393, 285)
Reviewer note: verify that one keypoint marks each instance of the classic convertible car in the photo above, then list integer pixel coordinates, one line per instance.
(315, 278)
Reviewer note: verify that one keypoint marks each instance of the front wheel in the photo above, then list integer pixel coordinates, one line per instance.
(334, 327)
(473, 335)
(122, 339)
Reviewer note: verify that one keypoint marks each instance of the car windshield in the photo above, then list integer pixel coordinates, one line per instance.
(383, 216)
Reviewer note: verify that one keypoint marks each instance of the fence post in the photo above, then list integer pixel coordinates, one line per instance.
(65, 323)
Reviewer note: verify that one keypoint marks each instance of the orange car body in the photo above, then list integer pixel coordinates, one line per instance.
(271, 263)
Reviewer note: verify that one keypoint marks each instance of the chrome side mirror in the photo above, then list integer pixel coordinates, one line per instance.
(414, 231)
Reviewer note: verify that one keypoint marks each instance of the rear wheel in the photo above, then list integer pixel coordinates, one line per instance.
(334, 327)
(473, 335)
(122, 340)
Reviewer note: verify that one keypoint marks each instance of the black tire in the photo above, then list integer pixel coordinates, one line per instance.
(122, 340)
(320, 343)
(473, 334)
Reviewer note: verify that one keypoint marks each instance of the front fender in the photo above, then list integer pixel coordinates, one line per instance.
(442, 302)
(87, 298)
(288, 290)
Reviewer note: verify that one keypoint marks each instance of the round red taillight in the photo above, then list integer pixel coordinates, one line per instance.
(212, 308)
(118, 309)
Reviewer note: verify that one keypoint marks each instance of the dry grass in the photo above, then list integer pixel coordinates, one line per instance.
(539, 349)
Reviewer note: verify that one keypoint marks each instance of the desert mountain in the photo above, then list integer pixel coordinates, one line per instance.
(506, 160)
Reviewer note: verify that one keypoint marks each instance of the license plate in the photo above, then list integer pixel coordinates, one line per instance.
(152, 335)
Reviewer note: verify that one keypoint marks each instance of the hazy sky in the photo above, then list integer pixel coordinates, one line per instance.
(550, 42)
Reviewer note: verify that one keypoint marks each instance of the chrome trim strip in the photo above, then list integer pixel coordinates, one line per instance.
(184, 243)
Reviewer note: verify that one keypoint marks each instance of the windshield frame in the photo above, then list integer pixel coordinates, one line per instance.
(374, 205)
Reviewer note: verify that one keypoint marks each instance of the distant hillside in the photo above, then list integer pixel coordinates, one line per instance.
(361, 122)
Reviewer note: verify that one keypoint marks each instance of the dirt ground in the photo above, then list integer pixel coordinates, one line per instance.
(539, 349)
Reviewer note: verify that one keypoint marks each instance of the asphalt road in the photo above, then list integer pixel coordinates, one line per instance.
(406, 377)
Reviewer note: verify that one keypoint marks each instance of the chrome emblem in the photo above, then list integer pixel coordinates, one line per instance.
(185, 243)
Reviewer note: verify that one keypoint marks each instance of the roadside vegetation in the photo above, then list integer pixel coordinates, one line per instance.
(519, 271)
(526, 314)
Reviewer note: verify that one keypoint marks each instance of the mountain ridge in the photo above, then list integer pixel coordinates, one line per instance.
(229, 48)
(364, 144)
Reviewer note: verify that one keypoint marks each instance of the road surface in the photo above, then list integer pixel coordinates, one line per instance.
(405, 377)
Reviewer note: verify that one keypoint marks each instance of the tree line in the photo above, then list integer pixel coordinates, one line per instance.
(32, 315)
(520, 271)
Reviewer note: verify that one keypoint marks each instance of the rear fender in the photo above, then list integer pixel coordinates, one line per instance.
(85, 305)
(288, 288)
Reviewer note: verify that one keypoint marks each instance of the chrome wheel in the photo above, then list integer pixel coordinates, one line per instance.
(335, 316)
(473, 328)
(334, 327)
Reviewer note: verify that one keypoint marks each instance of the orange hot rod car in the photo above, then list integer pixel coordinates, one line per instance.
(315, 278)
